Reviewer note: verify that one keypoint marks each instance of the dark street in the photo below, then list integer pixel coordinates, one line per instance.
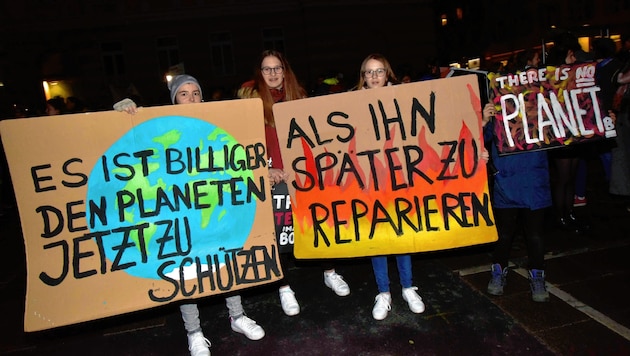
(588, 277)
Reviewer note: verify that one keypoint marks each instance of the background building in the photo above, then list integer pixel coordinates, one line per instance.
(495, 30)
(103, 50)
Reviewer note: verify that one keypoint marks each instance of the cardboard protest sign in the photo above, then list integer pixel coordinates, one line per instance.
(387, 171)
(126, 212)
(283, 217)
(547, 108)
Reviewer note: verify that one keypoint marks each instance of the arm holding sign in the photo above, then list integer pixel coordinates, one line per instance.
(488, 112)
(127, 105)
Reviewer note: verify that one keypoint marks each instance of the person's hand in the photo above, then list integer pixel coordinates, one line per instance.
(277, 175)
(127, 105)
(623, 78)
(612, 115)
(488, 112)
(485, 155)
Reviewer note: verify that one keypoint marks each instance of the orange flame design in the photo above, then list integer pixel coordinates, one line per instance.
(466, 175)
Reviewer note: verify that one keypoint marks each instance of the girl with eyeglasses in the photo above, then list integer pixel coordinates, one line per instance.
(376, 72)
(274, 82)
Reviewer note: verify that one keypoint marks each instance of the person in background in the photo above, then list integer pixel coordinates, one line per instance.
(607, 65)
(274, 81)
(564, 161)
(75, 105)
(55, 106)
(620, 174)
(432, 70)
(376, 72)
(624, 52)
(329, 84)
(185, 89)
(529, 58)
(406, 78)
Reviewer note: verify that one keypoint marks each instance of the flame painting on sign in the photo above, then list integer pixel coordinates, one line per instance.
(387, 171)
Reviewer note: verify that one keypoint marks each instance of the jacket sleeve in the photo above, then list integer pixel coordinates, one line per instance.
(273, 148)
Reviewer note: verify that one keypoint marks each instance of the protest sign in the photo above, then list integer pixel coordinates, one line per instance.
(126, 212)
(549, 107)
(283, 217)
(387, 171)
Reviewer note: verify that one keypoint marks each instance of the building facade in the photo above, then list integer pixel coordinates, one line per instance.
(102, 50)
(105, 50)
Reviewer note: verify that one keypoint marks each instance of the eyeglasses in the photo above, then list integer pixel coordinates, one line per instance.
(379, 72)
(268, 70)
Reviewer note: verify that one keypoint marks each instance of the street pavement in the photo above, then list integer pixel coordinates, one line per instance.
(588, 276)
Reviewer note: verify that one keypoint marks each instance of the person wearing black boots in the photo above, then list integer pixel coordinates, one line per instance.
(564, 161)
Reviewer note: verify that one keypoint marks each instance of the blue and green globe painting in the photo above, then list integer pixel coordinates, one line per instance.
(224, 225)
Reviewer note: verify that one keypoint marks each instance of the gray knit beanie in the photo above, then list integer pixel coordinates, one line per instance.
(180, 80)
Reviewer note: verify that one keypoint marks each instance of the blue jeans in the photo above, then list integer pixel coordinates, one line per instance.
(379, 264)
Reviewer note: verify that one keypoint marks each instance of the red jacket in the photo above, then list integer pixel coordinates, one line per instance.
(271, 135)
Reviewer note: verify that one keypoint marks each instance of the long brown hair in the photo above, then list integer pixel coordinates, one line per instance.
(292, 88)
(391, 77)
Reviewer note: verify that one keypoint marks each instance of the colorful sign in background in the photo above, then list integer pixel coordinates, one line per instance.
(126, 212)
(283, 217)
(387, 171)
(548, 107)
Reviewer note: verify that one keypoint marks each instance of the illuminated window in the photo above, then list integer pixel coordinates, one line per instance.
(444, 20)
(585, 43)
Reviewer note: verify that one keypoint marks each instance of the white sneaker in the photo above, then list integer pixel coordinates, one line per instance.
(247, 327)
(288, 301)
(335, 282)
(413, 299)
(382, 305)
(198, 344)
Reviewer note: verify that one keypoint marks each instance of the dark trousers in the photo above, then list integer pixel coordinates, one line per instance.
(512, 220)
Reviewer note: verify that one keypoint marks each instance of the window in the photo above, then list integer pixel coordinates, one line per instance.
(168, 53)
(113, 59)
(619, 5)
(221, 54)
(273, 38)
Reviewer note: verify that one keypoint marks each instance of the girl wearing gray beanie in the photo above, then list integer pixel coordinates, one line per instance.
(185, 89)
(176, 84)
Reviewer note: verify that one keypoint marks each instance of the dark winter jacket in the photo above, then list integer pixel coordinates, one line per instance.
(522, 180)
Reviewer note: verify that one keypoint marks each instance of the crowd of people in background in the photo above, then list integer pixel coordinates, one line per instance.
(558, 176)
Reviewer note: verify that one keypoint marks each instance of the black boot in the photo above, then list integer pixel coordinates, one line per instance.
(567, 224)
(582, 224)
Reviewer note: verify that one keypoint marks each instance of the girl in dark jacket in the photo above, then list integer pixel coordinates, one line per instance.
(521, 192)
